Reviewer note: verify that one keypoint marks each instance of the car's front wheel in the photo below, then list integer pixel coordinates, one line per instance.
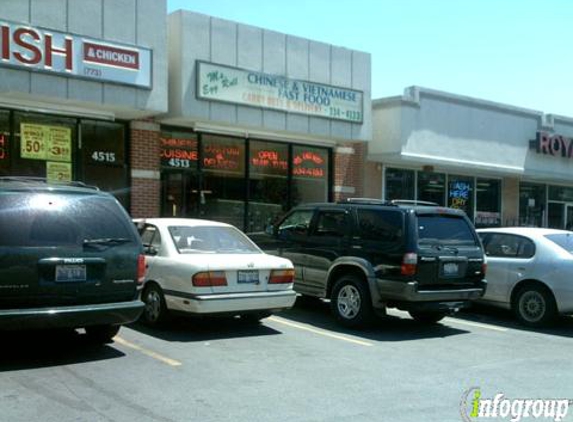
(428, 317)
(102, 334)
(155, 311)
(534, 305)
(350, 301)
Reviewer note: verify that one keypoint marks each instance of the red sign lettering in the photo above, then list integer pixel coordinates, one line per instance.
(20, 40)
(554, 145)
(2, 147)
(113, 56)
(66, 51)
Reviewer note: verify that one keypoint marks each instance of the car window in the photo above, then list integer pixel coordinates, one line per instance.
(38, 219)
(332, 223)
(445, 229)
(565, 241)
(296, 223)
(210, 239)
(509, 246)
(381, 225)
(150, 236)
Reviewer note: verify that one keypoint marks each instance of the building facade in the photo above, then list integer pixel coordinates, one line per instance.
(180, 115)
(502, 165)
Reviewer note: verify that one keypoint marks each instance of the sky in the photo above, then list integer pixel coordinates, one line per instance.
(516, 52)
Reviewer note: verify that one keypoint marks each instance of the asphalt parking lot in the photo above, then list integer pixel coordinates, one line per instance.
(295, 366)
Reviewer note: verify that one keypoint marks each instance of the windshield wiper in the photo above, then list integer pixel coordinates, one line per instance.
(106, 241)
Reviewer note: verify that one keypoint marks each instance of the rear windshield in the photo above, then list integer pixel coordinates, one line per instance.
(446, 230)
(564, 241)
(211, 239)
(63, 219)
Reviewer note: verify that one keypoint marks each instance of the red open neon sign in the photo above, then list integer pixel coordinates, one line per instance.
(2, 147)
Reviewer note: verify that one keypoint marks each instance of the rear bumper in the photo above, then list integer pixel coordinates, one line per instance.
(410, 295)
(230, 303)
(71, 316)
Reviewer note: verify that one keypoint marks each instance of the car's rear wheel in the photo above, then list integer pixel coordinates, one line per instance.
(350, 301)
(534, 305)
(428, 317)
(155, 311)
(102, 334)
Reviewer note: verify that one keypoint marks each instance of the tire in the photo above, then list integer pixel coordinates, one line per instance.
(350, 302)
(255, 317)
(534, 306)
(102, 334)
(428, 317)
(155, 311)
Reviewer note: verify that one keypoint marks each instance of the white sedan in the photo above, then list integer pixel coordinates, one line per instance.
(204, 267)
(529, 270)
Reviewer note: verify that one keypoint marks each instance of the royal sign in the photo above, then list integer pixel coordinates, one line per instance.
(44, 50)
(553, 145)
(239, 86)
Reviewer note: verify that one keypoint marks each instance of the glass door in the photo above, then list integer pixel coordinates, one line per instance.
(180, 194)
(569, 217)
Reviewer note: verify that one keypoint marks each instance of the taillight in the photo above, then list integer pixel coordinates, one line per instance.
(409, 264)
(484, 268)
(140, 268)
(209, 279)
(281, 277)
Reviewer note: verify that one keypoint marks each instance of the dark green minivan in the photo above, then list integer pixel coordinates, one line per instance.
(69, 258)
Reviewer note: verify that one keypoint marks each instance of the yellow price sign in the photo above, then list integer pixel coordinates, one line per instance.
(41, 142)
(33, 142)
(58, 172)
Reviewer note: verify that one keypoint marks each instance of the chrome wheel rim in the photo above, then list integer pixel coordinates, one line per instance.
(532, 306)
(152, 305)
(348, 302)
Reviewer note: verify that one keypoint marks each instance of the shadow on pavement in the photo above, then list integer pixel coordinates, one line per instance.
(189, 329)
(42, 349)
(504, 318)
(316, 313)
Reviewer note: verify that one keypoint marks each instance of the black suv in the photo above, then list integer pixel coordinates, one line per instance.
(69, 258)
(366, 255)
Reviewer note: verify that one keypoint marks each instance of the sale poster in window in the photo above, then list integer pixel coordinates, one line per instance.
(42, 142)
(58, 171)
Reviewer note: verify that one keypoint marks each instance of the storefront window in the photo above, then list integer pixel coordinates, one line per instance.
(268, 183)
(531, 204)
(4, 143)
(400, 184)
(44, 146)
(223, 195)
(555, 215)
(432, 187)
(488, 203)
(179, 150)
(103, 158)
(309, 175)
(561, 193)
(461, 194)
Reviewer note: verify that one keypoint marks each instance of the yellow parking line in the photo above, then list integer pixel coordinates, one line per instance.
(150, 353)
(476, 324)
(318, 331)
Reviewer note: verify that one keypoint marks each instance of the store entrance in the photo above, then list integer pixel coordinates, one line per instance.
(181, 194)
(569, 217)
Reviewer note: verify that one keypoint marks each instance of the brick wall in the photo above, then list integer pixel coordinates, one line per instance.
(349, 164)
(145, 176)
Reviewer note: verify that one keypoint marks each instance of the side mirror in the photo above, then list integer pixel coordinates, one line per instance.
(151, 250)
(271, 230)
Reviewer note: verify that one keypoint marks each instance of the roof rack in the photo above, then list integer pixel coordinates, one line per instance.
(32, 179)
(413, 202)
(365, 201)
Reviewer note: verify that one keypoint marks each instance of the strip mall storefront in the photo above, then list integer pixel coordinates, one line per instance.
(257, 121)
(501, 164)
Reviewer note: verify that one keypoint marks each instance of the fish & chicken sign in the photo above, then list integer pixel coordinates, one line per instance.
(32, 48)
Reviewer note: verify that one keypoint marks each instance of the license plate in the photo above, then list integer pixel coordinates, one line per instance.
(451, 269)
(248, 277)
(66, 273)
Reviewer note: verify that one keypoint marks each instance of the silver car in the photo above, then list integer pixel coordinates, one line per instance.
(529, 270)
